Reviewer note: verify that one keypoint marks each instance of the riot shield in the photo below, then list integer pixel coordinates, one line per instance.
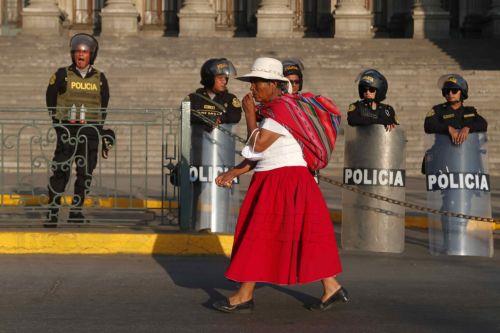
(374, 161)
(457, 181)
(215, 208)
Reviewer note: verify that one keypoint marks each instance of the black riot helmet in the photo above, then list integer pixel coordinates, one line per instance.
(293, 66)
(213, 67)
(84, 41)
(371, 78)
(454, 81)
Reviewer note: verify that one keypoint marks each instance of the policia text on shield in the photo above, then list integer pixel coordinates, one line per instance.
(456, 169)
(374, 160)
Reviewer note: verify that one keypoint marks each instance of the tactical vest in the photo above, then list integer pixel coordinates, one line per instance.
(83, 93)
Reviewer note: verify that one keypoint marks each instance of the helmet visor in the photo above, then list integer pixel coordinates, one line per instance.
(83, 42)
(292, 65)
(451, 81)
(367, 77)
(223, 67)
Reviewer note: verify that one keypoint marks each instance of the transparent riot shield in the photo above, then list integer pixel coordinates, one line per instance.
(215, 208)
(457, 181)
(374, 161)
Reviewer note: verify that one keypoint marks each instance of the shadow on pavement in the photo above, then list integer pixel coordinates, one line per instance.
(211, 281)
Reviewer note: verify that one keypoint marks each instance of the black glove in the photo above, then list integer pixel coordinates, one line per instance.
(108, 141)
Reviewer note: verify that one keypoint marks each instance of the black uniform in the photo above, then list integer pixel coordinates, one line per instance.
(362, 114)
(74, 142)
(442, 116)
(224, 107)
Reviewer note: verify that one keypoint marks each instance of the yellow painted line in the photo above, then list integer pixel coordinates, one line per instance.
(67, 242)
(111, 243)
(410, 221)
(15, 200)
(416, 222)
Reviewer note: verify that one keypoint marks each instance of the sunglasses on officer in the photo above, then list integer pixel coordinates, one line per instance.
(295, 82)
(454, 91)
(370, 89)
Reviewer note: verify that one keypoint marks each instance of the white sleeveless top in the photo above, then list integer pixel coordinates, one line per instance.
(285, 151)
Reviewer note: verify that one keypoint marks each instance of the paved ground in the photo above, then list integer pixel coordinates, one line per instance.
(412, 292)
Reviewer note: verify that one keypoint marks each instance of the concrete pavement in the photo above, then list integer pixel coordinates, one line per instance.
(411, 292)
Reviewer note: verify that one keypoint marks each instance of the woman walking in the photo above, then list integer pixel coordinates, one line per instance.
(284, 234)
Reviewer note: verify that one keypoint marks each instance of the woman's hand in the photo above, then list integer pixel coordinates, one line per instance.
(225, 179)
(249, 104)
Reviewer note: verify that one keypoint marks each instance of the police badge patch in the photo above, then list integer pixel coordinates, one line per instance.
(236, 103)
(52, 79)
(352, 107)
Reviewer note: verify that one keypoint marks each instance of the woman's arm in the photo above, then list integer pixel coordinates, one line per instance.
(261, 138)
(225, 179)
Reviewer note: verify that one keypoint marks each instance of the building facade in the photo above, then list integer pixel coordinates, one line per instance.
(261, 18)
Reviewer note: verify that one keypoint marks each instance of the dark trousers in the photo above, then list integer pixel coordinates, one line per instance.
(80, 149)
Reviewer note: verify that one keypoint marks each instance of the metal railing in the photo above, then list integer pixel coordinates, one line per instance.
(130, 187)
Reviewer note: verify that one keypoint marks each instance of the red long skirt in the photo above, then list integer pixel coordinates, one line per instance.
(284, 233)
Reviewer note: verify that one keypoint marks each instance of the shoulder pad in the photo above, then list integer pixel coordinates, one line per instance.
(386, 106)
(470, 109)
(52, 79)
(439, 107)
(235, 102)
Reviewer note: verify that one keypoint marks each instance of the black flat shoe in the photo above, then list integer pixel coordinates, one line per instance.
(340, 295)
(225, 306)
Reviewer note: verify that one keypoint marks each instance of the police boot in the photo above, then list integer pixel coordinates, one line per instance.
(52, 217)
(53, 213)
(76, 216)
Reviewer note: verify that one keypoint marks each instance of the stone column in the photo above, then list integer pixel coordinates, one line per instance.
(224, 21)
(41, 17)
(492, 28)
(119, 18)
(3, 17)
(275, 19)
(430, 20)
(353, 19)
(299, 27)
(197, 19)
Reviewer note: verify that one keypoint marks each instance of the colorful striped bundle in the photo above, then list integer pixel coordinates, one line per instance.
(313, 121)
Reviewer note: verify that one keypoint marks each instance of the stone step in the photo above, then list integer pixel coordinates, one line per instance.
(160, 72)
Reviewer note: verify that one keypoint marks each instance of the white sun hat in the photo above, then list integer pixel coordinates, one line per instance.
(268, 69)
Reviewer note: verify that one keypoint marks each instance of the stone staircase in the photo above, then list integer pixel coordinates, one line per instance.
(159, 72)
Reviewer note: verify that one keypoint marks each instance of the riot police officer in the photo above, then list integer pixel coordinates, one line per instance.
(453, 118)
(213, 100)
(292, 70)
(77, 97)
(212, 150)
(372, 89)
